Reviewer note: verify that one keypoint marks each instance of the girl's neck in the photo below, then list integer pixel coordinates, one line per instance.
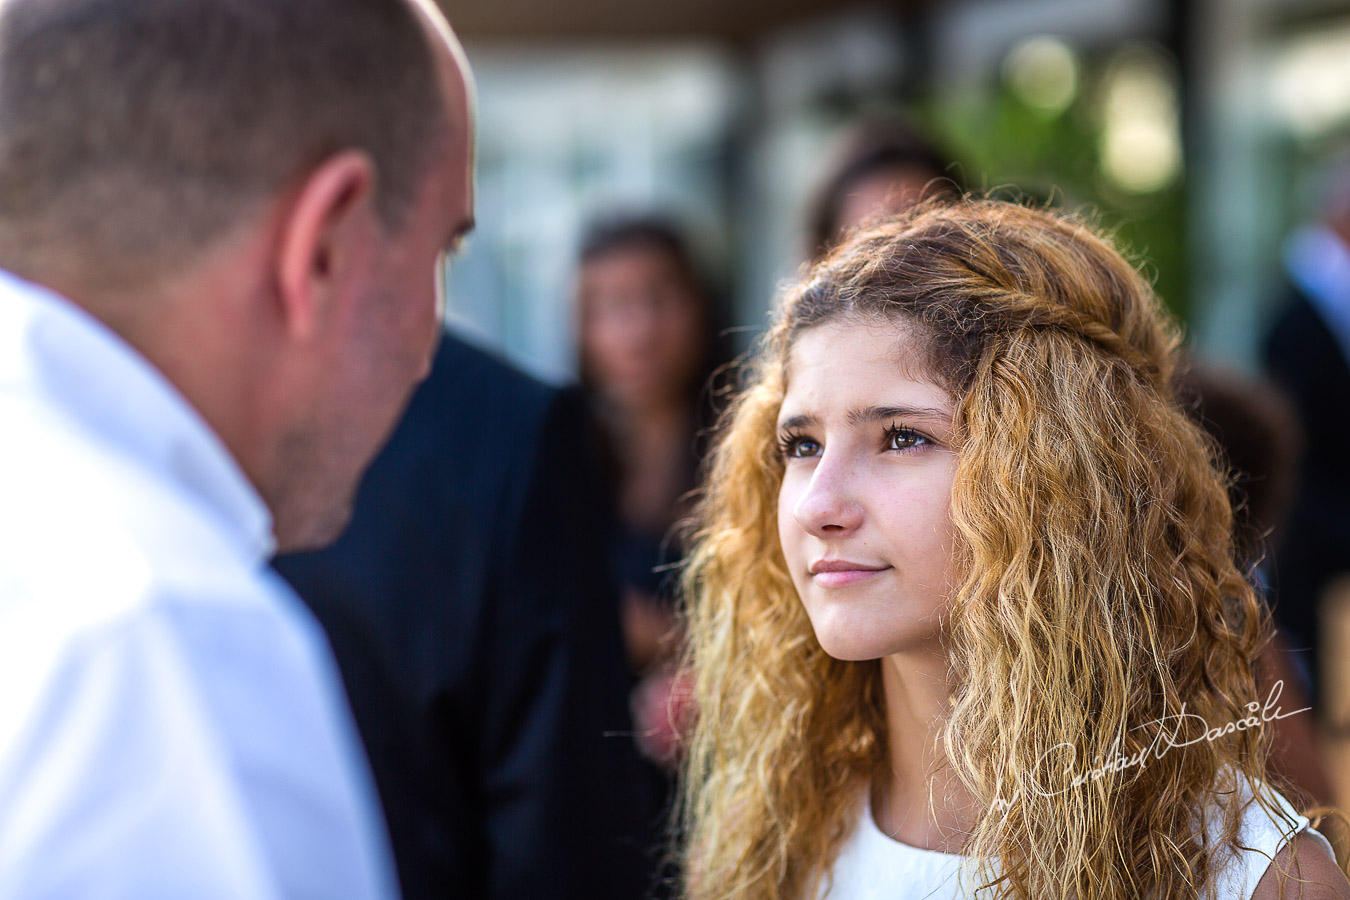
(917, 703)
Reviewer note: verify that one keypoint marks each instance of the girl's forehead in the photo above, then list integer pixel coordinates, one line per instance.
(855, 372)
(894, 347)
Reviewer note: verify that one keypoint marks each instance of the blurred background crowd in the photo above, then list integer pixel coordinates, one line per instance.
(1199, 126)
(649, 174)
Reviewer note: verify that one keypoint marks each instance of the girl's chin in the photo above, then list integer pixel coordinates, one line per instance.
(852, 646)
(849, 637)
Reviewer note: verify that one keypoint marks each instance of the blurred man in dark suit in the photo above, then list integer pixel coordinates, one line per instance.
(1308, 355)
(477, 631)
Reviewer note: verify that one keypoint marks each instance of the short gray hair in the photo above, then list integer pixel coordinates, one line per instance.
(136, 131)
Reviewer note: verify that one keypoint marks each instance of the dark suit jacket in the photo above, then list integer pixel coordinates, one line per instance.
(476, 627)
(1305, 360)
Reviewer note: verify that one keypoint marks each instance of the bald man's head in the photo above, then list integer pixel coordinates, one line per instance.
(134, 132)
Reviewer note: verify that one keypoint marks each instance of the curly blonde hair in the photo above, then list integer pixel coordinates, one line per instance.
(1100, 600)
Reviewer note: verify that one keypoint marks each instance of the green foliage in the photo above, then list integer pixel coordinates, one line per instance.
(1006, 146)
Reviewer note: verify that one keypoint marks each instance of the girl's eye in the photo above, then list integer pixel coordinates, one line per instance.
(901, 438)
(795, 446)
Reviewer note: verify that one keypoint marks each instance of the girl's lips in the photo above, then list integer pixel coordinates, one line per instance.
(840, 574)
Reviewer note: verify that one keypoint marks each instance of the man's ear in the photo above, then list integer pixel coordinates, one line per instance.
(323, 235)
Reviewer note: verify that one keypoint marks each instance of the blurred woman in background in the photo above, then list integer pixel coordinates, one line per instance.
(648, 345)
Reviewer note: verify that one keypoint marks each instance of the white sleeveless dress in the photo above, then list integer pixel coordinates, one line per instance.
(873, 866)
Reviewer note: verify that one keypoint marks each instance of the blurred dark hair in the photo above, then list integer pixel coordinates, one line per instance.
(1260, 439)
(622, 232)
(866, 148)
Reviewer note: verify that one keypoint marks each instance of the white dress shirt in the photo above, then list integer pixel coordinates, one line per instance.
(172, 724)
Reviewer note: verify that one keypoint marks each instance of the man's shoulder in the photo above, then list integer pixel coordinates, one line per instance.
(100, 556)
(106, 564)
(89, 533)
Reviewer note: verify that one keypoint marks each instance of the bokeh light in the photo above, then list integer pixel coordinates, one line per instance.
(1141, 125)
(1042, 72)
(1310, 86)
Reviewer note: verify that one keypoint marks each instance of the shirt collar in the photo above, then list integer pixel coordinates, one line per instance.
(94, 378)
(1319, 264)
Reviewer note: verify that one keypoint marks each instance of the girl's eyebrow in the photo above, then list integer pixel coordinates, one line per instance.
(797, 422)
(869, 414)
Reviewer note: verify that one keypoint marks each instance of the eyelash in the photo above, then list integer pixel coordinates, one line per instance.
(901, 432)
(790, 442)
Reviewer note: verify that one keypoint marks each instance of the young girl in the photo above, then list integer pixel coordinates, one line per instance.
(964, 616)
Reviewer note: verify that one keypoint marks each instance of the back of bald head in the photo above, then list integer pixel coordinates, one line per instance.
(135, 133)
